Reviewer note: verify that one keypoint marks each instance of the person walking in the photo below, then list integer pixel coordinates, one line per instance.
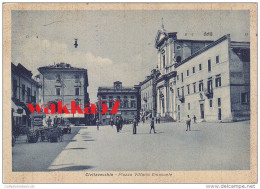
(143, 119)
(134, 125)
(188, 120)
(55, 122)
(117, 123)
(48, 121)
(152, 125)
(159, 120)
(194, 119)
(97, 123)
(156, 120)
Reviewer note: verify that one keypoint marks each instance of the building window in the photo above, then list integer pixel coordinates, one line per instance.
(58, 93)
(179, 107)
(188, 106)
(194, 87)
(217, 59)
(181, 77)
(15, 88)
(187, 72)
(210, 89)
(178, 59)
(110, 101)
(218, 81)
(133, 104)
(245, 98)
(200, 67)
(188, 89)
(23, 92)
(77, 78)
(28, 94)
(210, 103)
(182, 91)
(77, 91)
(177, 77)
(163, 61)
(193, 70)
(219, 102)
(209, 65)
(178, 92)
(58, 80)
(132, 97)
(201, 85)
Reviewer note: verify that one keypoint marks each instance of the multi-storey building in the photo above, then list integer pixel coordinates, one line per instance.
(208, 79)
(24, 90)
(148, 94)
(62, 82)
(128, 97)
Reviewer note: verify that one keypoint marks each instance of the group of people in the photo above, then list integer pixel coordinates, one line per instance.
(135, 124)
(56, 121)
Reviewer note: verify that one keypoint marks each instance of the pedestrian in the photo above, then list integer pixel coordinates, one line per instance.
(152, 125)
(112, 122)
(143, 119)
(134, 125)
(48, 121)
(117, 123)
(121, 123)
(194, 119)
(188, 120)
(97, 123)
(55, 121)
(156, 120)
(159, 120)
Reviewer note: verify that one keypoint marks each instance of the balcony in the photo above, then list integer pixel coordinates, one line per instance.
(181, 98)
(208, 93)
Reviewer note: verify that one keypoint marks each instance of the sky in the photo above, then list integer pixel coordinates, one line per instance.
(113, 45)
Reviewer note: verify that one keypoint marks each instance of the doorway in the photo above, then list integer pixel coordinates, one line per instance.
(219, 114)
(202, 111)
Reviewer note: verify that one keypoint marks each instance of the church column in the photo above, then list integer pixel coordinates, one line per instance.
(158, 102)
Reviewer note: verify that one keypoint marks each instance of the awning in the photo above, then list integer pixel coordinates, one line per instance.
(18, 110)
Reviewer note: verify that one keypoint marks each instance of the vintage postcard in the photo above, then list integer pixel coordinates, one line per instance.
(130, 93)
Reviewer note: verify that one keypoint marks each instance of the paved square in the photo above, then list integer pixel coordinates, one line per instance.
(209, 146)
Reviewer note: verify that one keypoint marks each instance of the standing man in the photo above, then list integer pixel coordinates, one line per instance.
(152, 125)
(194, 119)
(48, 121)
(134, 125)
(159, 120)
(188, 120)
(156, 120)
(117, 123)
(55, 121)
(97, 123)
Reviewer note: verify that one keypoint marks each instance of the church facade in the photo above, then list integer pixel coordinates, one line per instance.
(206, 79)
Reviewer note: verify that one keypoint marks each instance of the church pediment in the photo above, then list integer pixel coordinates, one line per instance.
(160, 36)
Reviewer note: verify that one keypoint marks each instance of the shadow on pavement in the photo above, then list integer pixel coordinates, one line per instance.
(89, 140)
(75, 148)
(72, 168)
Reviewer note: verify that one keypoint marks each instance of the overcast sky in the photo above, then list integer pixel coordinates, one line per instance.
(113, 45)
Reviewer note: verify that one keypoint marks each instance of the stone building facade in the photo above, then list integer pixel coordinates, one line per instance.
(25, 90)
(208, 79)
(128, 97)
(62, 82)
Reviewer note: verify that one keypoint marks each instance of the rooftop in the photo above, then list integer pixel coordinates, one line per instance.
(61, 66)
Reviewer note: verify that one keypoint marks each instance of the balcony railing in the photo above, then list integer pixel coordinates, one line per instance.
(181, 98)
(208, 93)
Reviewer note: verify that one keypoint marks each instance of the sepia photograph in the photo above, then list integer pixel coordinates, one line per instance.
(129, 93)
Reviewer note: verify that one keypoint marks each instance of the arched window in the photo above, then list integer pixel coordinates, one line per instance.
(178, 59)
